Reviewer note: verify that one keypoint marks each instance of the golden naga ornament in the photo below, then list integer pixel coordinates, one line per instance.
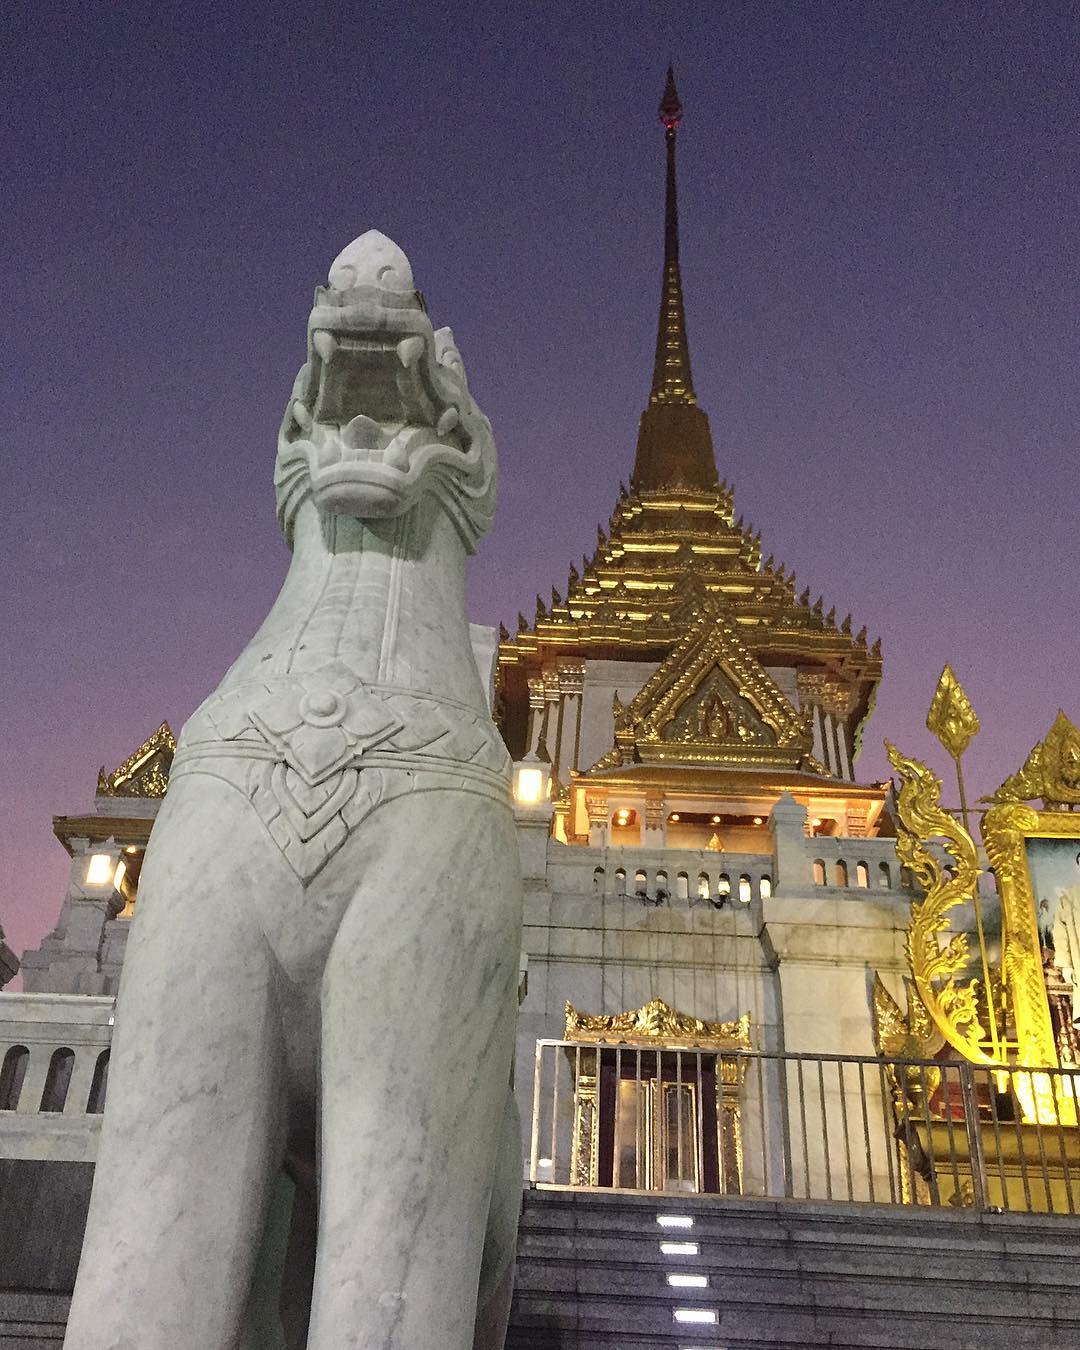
(952, 1002)
(1001, 1015)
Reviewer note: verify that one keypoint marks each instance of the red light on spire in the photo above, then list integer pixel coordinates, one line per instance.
(671, 113)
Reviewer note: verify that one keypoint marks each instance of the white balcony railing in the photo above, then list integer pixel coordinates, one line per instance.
(54, 1065)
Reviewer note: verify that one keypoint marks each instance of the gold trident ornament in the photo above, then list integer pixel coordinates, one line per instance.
(955, 723)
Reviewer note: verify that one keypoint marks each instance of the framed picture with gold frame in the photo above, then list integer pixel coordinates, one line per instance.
(1036, 859)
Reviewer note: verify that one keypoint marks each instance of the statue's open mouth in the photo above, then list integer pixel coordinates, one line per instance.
(382, 412)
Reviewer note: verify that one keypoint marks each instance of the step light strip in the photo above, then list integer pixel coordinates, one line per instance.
(701, 1315)
(684, 1281)
(679, 1249)
(674, 1221)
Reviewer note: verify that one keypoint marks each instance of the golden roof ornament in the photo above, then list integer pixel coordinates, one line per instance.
(145, 772)
(1051, 772)
(711, 701)
(656, 1021)
(899, 1035)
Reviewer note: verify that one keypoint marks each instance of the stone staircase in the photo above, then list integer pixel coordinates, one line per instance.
(780, 1274)
(792, 1274)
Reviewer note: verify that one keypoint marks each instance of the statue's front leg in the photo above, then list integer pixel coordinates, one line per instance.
(193, 1124)
(418, 1014)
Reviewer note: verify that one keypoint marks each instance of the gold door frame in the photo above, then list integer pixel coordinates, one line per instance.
(657, 1028)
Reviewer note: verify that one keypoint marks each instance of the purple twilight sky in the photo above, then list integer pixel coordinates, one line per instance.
(879, 211)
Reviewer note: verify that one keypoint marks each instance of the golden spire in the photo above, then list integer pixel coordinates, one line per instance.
(672, 381)
(674, 445)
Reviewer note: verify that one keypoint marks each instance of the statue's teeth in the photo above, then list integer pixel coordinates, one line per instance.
(324, 344)
(397, 456)
(409, 351)
(447, 422)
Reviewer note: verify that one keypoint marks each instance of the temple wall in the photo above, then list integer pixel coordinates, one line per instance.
(603, 679)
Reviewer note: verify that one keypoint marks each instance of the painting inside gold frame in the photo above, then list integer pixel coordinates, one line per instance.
(1053, 864)
(1054, 867)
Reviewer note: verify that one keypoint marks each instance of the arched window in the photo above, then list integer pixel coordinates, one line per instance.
(620, 881)
(703, 886)
(95, 1103)
(57, 1080)
(12, 1073)
(598, 881)
(765, 887)
(662, 892)
(840, 875)
(723, 886)
(884, 876)
(862, 875)
(641, 883)
(745, 891)
(682, 886)
(819, 872)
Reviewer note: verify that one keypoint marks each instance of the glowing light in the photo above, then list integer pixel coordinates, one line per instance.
(716, 820)
(118, 878)
(530, 786)
(758, 820)
(696, 1315)
(674, 815)
(815, 822)
(680, 1249)
(674, 1221)
(680, 1281)
(99, 869)
(544, 1162)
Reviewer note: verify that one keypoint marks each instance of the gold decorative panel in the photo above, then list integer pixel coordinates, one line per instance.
(656, 1021)
(145, 772)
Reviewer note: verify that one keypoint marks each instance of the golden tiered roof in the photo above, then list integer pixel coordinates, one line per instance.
(671, 561)
(663, 555)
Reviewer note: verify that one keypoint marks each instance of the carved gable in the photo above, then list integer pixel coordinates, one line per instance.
(712, 702)
(145, 772)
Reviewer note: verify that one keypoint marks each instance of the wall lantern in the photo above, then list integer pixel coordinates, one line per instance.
(105, 871)
(532, 781)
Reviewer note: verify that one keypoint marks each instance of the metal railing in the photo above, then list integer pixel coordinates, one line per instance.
(814, 1127)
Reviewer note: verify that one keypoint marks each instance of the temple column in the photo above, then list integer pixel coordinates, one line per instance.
(654, 835)
(571, 686)
(810, 688)
(536, 714)
(596, 804)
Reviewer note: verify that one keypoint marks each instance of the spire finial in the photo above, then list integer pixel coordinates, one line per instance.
(672, 382)
(674, 445)
(670, 108)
